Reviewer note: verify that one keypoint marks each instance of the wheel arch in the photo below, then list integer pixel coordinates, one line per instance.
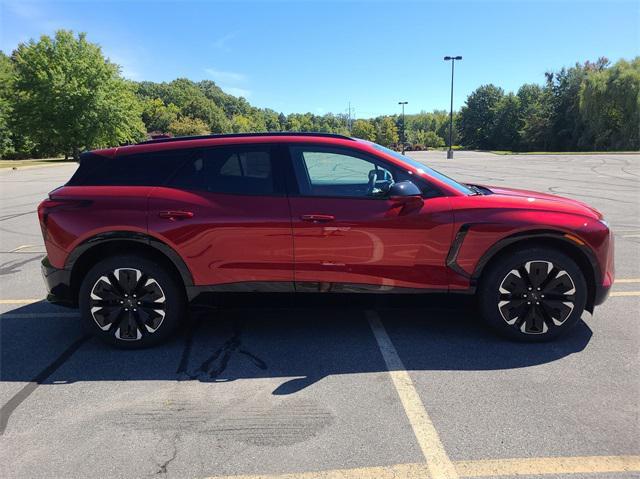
(98, 247)
(557, 240)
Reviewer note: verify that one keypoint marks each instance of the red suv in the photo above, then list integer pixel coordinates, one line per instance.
(140, 230)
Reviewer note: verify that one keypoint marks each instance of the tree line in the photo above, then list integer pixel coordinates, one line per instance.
(60, 95)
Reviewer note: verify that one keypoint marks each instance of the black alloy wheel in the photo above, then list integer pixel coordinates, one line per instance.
(131, 301)
(532, 294)
(128, 303)
(536, 295)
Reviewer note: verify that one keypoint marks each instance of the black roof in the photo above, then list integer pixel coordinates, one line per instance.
(236, 135)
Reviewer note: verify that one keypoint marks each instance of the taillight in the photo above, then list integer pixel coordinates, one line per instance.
(50, 205)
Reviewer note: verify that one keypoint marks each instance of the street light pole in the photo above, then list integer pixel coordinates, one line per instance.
(403, 103)
(453, 62)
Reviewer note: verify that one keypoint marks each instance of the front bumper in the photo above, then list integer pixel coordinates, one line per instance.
(609, 273)
(58, 284)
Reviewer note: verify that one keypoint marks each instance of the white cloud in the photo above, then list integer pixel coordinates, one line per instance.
(222, 42)
(126, 61)
(235, 91)
(226, 77)
(34, 20)
(233, 83)
(26, 10)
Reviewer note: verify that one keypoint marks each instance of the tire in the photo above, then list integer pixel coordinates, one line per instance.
(131, 301)
(533, 294)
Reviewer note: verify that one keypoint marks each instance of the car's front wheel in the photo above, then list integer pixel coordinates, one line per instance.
(130, 301)
(533, 294)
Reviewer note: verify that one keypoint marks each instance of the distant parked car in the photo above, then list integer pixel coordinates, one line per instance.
(140, 230)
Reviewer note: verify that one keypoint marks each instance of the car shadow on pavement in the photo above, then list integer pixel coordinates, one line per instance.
(304, 338)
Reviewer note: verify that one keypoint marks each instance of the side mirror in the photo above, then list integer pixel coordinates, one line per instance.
(407, 195)
(403, 189)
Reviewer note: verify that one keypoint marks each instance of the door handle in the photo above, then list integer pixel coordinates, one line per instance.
(318, 218)
(175, 215)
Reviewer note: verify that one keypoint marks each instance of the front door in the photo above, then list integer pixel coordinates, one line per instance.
(349, 237)
(225, 211)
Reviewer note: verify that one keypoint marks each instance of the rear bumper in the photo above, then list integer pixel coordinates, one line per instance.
(602, 293)
(58, 284)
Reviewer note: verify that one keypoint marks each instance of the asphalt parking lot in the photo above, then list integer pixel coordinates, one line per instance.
(320, 388)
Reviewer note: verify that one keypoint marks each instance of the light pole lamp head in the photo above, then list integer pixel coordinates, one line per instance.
(453, 58)
(402, 102)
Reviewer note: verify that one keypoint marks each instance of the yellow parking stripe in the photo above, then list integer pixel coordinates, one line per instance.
(624, 293)
(19, 301)
(438, 463)
(534, 466)
(627, 280)
(548, 465)
(408, 471)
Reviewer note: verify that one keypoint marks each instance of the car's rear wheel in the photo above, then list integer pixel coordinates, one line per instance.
(131, 301)
(533, 294)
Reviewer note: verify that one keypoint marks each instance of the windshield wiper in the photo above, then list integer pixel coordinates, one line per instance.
(475, 189)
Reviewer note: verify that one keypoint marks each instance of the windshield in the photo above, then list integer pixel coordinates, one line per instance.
(423, 168)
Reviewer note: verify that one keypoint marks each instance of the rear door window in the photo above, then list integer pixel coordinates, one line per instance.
(240, 170)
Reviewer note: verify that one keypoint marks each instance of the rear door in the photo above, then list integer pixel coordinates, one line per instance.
(225, 211)
(349, 236)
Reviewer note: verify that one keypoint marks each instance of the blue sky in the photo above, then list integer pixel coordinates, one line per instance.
(318, 56)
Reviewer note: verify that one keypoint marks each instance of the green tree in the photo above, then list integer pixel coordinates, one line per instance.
(363, 129)
(478, 117)
(535, 117)
(610, 107)
(69, 97)
(241, 124)
(293, 123)
(567, 124)
(387, 133)
(272, 121)
(204, 100)
(282, 119)
(506, 130)
(429, 139)
(157, 116)
(6, 87)
(185, 126)
(219, 123)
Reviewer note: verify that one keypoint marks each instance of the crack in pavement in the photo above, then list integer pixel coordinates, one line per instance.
(171, 445)
(217, 362)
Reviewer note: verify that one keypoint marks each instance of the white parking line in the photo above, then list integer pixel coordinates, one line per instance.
(438, 462)
(27, 246)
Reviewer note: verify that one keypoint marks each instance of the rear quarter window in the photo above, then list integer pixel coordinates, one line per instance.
(143, 169)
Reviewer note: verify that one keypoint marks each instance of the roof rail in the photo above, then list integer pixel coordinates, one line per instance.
(240, 135)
